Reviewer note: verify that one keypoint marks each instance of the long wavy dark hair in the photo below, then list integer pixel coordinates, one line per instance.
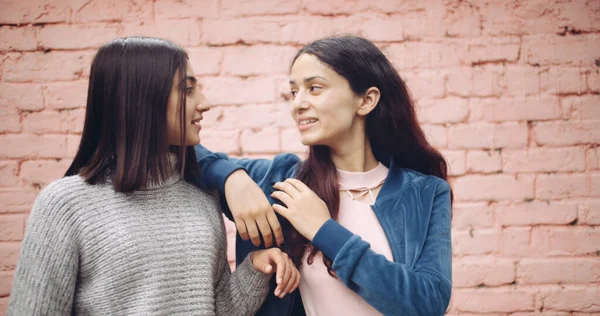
(125, 130)
(392, 127)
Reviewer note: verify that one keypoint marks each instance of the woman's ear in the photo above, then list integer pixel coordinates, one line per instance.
(369, 101)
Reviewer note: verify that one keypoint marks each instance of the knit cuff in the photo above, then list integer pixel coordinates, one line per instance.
(252, 282)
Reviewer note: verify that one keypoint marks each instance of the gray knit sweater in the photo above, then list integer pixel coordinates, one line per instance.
(89, 250)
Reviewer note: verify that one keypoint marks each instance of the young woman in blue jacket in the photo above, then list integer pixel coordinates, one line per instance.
(366, 217)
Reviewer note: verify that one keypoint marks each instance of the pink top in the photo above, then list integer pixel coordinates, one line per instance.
(323, 294)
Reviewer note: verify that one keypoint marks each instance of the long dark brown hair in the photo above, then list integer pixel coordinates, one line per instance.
(125, 130)
(392, 127)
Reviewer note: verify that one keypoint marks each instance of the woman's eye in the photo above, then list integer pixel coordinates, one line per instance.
(315, 88)
(189, 90)
(293, 93)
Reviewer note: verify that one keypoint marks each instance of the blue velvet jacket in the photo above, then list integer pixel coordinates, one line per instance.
(415, 212)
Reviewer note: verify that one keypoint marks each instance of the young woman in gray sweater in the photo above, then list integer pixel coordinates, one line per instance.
(124, 233)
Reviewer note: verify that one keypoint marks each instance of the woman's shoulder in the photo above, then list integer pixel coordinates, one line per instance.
(416, 179)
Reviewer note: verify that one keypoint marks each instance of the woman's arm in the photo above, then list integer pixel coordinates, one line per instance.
(242, 199)
(392, 288)
(46, 274)
(243, 291)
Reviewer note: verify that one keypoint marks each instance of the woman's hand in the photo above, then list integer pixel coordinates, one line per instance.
(304, 209)
(251, 210)
(288, 276)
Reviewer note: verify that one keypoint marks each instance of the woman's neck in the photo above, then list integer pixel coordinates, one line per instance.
(354, 155)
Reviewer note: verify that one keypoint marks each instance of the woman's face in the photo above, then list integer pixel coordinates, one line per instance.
(195, 105)
(323, 104)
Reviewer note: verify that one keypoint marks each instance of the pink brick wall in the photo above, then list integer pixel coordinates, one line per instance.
(509, 91)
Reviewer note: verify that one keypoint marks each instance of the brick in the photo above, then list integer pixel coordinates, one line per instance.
(488, 161)
(3, 305)
(9, 255)
(6, 282)
(487, 136)
(561, 186)
(494, 187)
(206, 60)
(72, 121)
(306, 30)
(475, 242)
(543, 160)
(554, 241)
(72, 145)
(218, 90)
(492, 49)
(586, 240)
(16, 200)
(516, 241)
(426, 55)
(8, 173)
(265, 59)
(567, 133)
(231, 31)
(354, 6)
(582, 299)
(80, 36)
(436, 135)
(589, 213)
(265, 140)
(181, 32)
(10, 120)
(487, 271)
(449, 110)
(482, 81)
(518, 109)
(12, 227)
(563, 81)
(492, 300)
(290, 141)
(425, 84)
(177, 9)
(521, 81)
(17, 38)
(578, 50)
(249, 116)
(594, 184)
(583, 108)
(462, 20)
(536, 213)
(51, 66)
(24, 12)
(66, 95)
(38, 146)
(558, 270)
(42, 122)
(456, 161)
(266, 7)
(593, 81)
(472, 215)
(21, 96)
(43, 172)
(283, 117)
(221, 141)
(113, 10)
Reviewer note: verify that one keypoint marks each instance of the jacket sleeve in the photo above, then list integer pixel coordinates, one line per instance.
(396, 288)
(215, 168)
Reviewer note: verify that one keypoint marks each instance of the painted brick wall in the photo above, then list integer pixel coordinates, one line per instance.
(509, 91)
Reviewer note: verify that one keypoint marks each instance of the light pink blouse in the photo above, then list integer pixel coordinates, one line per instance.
(323, 294)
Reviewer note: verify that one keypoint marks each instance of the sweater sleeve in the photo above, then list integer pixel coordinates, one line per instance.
(241, 292)
(46, 274)
(391, 287)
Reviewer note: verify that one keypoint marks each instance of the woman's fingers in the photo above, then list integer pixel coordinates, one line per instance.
(290, 286)
(287, 188)
(287, 276)
(281, 210)
(283, 197)
(253, 231)
(275, 227)
(265, 230)
(297, 184)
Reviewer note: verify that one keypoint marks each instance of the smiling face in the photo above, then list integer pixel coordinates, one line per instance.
(195, 106)
(323, 105)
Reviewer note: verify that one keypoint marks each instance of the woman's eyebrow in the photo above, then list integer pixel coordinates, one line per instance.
(308, 79)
